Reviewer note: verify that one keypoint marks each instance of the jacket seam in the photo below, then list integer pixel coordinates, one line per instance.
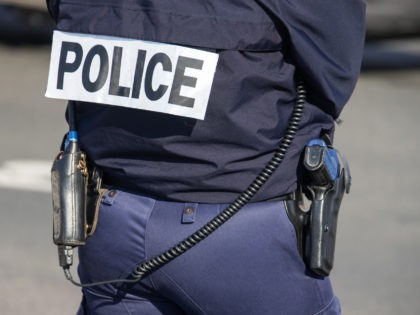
(209, 17)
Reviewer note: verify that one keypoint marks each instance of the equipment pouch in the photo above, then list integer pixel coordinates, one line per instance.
(76, 194)
(69, 178)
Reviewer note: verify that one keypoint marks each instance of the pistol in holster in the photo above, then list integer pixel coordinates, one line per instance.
(75, 194)
(327, 178)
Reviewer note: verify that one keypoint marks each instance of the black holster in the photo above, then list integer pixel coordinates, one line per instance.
(316, 227)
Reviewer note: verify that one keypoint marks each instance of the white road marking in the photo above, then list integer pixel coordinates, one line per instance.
(29, 175)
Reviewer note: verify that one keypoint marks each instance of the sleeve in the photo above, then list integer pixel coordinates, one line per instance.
(327, 41)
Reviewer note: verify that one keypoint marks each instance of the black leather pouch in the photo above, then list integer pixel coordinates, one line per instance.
(76, 195)
(69, 178)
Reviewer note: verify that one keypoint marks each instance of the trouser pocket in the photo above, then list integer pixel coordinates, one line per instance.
(118, 243)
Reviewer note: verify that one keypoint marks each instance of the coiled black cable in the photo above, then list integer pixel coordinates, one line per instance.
(158, 261)
(192, 240)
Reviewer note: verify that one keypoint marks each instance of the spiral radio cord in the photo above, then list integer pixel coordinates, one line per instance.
(158, 261)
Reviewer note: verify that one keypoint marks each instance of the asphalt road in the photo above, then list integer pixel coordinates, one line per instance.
(378, 247)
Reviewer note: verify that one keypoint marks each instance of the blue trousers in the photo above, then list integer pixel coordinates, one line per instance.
(249, 266)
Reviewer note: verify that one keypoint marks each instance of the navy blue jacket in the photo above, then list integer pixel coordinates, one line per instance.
(261, 44)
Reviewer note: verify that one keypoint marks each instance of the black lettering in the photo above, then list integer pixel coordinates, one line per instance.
(65, 66)
(96, 85)
(181, 79)
(114, 86)
(138, 76)
(164, 60)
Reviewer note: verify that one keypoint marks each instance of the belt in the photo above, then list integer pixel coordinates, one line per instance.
(126, 185)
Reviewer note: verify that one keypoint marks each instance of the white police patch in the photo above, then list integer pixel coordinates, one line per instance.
(132, 73)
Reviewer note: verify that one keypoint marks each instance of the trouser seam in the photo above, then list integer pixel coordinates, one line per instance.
(325, 307)
(181, 290)
(146, 240)
(125, 307)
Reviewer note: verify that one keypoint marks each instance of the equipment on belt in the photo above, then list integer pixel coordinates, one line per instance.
(71, 179)
(328, 177)
(75, 190)
(69, 190)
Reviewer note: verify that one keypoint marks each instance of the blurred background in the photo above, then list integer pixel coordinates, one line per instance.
(378, 246)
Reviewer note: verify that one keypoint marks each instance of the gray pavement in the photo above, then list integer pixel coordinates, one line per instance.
(31, 128)
(26, 3)
(379, 231)
(378, 247)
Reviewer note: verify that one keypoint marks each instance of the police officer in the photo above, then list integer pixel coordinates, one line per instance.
(181, 104)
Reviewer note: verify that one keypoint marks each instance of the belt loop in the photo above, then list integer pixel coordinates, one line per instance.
(188, 215)
(109, 197)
